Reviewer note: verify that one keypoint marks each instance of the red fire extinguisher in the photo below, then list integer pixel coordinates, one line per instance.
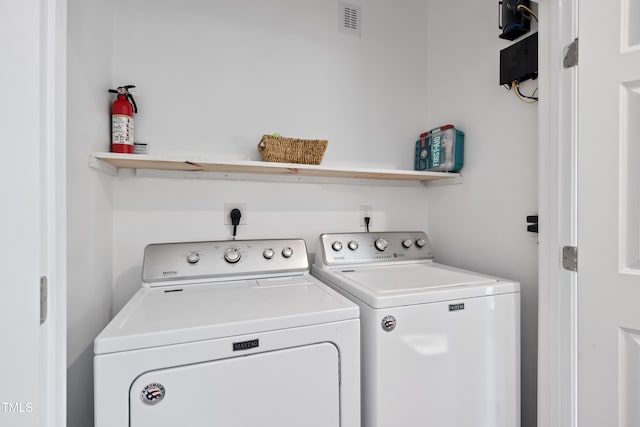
(122, 112)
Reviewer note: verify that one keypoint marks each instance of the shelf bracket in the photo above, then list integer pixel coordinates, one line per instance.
(102, 166)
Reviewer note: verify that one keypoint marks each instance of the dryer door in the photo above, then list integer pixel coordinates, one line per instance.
(285, 388)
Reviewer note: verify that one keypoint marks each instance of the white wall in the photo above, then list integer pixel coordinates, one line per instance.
(159, 210)
(480, 225)
(89, 195)
(214, 76)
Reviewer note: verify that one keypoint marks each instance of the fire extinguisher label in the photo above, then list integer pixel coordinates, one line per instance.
(122, 129)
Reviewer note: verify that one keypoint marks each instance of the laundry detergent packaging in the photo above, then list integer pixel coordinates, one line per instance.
(440, 150)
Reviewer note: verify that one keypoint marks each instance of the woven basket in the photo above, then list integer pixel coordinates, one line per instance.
(291, 150)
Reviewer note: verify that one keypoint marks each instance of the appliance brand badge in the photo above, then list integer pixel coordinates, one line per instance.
(246, 345)
(169, 273)
(456, 307)
(152, 394)
(388, 323)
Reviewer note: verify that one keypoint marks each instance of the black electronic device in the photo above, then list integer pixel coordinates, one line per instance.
(513, 22)
(519, 62)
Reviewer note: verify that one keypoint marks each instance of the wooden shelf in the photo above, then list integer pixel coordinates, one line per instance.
(110, 162)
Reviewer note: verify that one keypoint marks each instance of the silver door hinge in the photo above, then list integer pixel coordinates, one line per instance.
(43, 299)
(571, 55)
(570, 258)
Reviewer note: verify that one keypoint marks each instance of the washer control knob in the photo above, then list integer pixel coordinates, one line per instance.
(268, 253)
(232, 255)
(353, 245)
(193, 257)
(287, 252)
(407, 243)
(381, 244)
(420, 243)
(336, 246)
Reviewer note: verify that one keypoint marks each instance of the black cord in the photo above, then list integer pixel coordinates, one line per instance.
(367, 219)
(525, 96)
(235, 219)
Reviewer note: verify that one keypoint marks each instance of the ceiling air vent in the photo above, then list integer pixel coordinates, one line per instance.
(349, 18)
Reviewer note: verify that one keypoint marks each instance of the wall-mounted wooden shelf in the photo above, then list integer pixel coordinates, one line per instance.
(111, 162)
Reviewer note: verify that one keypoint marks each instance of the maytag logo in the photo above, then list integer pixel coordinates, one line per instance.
(169, 273)
(246, 345)
(456, 307)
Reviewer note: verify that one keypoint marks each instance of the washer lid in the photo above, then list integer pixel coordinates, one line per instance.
(408, 284)
(174, 314)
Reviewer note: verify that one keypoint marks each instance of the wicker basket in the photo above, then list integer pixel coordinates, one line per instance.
(291, 150)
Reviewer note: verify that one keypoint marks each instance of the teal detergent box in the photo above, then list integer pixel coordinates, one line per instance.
(440, 150)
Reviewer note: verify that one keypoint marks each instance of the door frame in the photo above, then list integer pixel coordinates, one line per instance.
(53, 118)
(34, 177)
(557, 187)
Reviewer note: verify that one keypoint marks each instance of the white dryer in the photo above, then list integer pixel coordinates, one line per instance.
(229, 333)
(440, 345)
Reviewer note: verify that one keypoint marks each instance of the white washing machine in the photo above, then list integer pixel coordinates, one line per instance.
(440, 345)
(229, 333)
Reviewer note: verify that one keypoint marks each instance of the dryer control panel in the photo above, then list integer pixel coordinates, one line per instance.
(170, 263)
(360, 248)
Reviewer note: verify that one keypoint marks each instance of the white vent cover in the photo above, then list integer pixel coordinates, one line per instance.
(349, 18)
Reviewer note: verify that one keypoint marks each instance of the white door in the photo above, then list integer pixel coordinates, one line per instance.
(285, 388)
(31, 218)
(609, 214)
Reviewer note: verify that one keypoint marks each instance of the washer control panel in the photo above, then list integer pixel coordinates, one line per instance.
(165, 263)
(356, 248)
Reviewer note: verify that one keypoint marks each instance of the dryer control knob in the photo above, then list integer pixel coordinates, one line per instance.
(268, 253)
(407, 243)
(353, 245)
(232, 255)
(381, 244)
(287, 252)
(193, 257)
(420, 243)
(336, 246)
